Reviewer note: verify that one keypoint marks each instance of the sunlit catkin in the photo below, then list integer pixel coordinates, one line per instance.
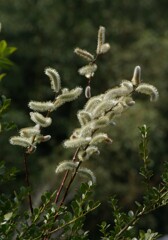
(20, 141)
(38, 118)
(74, 143)
(84, 54)
(85, 172)
(54, 79)
(148, 90)
(66, 165)
(29, 132)
(88, 70)
(136, 79)
(70, 95)
(88, 92)
(41, 106)
(84, 117)
(100, 137)
(104, 48)
(100, 39)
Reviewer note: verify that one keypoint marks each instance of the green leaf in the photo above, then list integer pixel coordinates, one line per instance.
(5, 63)
(3, 46)
(4, 104)
(8, 216)
(2, 75)
(5, 50)
(7, 126)
(9, 50)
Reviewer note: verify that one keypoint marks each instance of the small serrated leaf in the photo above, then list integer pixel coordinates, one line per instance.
(8, 216)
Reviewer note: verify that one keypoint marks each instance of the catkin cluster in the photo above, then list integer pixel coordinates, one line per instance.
(99, 112)
(89, 70)
(29, 137)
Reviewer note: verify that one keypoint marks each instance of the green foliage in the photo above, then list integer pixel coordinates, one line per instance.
(153, 198)
(5, 63)
(4, 108)
(5, 173)
(5, 52)
(47, 218)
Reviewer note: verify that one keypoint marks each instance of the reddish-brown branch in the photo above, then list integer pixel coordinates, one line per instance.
(61, 186)
(28, 182)
(65, 178)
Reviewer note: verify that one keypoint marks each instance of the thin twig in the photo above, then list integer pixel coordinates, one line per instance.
(28, 182)
(70, 182)
(46, 237)
(61, 186)
(65, 178)
(74, 220)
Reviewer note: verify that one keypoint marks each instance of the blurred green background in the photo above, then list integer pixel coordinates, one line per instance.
(45, 33)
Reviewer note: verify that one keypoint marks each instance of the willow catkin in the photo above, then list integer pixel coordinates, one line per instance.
(85, 54)
(136, 79)
(54, 79)
(41, 106)
(38, 118)
(148, 90)
(88, 92)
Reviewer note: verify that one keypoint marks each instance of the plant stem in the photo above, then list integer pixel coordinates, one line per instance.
(75, 219)
(65, 178)
(27, 181)
(69, 184)
(61, 186)
(46, 237)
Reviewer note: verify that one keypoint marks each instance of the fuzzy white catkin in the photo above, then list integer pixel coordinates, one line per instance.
(136, 79)
(84, 155)
(54, 79)
(100, 137)
(92, 103)
(100, 39)
(88, 70)
(127, 84)
(66, 165)
(148, 90)
(75, 134)
(41, 138)
(100, 123)
(71, 95)
(129, 101)
(38, 118)
(104, 48)
(84, 117)
(118, 109)
(116, 92)
(20, 141)
(67, 96)
(41, 106)
(87, 173)
(73, 143)
(86, 130)
(91, 150)
(85, 54)
(29, 132)
(102, 108)
(88, 92)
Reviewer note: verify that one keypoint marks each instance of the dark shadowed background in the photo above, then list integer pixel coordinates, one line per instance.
(45, 33)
